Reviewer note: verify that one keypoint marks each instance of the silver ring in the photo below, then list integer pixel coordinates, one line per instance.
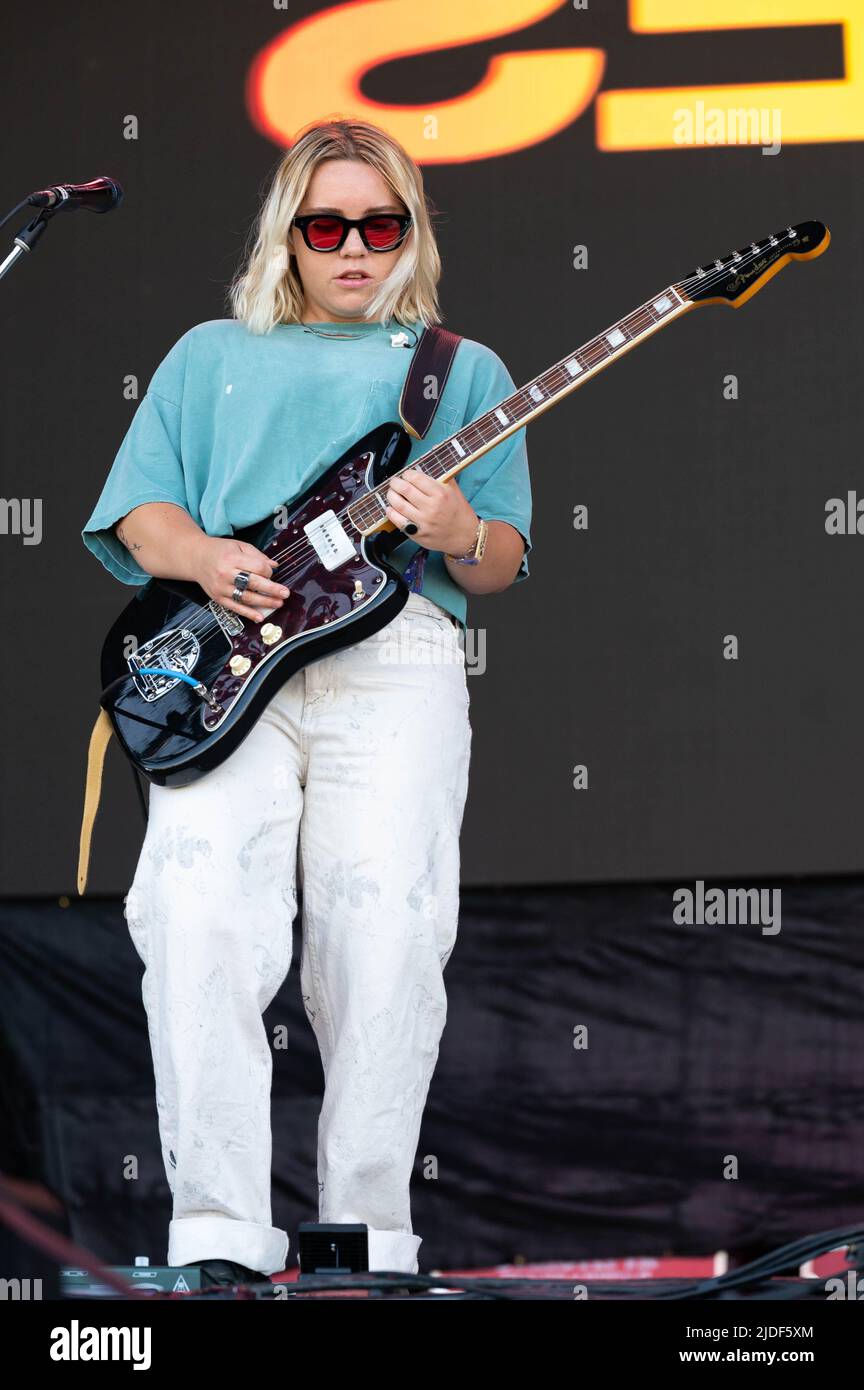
(241, 582)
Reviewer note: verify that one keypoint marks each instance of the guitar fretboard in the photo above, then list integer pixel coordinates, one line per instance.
(475, 439)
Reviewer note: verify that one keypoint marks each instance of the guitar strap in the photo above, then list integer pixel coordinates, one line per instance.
(427, 376)
(430, 367)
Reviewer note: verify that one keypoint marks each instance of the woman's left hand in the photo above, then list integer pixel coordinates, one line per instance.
(443, 515)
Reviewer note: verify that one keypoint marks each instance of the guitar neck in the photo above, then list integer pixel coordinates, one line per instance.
(475, 439)
(728, 280)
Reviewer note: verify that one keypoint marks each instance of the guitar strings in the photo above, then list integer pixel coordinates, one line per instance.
(711, 277)
(210, 625)
(714, 276)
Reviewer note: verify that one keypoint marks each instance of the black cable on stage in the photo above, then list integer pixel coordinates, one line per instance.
(788, 1257)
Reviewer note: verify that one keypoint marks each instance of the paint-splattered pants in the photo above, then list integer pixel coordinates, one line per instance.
(356, 772)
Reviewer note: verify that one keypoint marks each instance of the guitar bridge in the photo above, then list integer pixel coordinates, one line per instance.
(230, 623)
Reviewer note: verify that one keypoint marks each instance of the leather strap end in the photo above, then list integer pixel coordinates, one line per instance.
(99, 738)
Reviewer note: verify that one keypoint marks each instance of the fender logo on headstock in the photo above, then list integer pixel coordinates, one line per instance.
(744, 275)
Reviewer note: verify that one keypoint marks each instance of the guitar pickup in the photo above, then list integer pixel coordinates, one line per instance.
(331, 542)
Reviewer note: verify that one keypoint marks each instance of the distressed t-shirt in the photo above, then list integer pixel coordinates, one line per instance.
(234, 425)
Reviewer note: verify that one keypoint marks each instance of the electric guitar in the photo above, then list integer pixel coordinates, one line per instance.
(201, 675)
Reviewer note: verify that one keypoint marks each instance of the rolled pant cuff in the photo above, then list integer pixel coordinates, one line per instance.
(393, 1250)
(263, 1248)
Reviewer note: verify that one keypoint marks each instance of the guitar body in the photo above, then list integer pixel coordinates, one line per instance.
(165, 726)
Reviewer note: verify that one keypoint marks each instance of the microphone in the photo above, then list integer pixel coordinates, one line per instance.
(100, 195)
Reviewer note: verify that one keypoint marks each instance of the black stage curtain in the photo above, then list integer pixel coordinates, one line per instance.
(719, 1102)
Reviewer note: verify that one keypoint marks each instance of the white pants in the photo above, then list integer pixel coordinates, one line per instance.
(360, 762)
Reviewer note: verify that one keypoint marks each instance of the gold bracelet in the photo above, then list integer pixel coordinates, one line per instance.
(475, 554)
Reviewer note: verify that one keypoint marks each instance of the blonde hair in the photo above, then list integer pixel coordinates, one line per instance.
(268, 289)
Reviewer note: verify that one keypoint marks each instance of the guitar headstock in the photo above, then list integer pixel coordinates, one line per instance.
(734, 278)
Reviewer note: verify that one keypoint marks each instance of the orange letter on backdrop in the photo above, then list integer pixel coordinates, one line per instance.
(314, 69)
(809, 111)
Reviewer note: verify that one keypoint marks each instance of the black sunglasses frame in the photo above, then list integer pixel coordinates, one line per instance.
(404, 220)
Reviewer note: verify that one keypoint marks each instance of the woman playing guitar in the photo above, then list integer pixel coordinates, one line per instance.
(356, 772)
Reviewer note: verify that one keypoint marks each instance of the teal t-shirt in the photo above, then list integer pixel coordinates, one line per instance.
(236, 424)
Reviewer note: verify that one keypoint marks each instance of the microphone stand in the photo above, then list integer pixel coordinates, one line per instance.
(26, 238)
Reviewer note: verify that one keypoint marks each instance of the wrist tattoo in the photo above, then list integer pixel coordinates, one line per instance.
(129, 544)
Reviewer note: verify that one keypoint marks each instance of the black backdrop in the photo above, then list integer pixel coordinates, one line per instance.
(703, 1049)
(706, 515)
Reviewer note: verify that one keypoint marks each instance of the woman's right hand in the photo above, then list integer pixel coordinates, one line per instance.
(216, 567)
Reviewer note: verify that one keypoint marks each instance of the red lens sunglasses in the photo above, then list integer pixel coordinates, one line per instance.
(379, 232)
